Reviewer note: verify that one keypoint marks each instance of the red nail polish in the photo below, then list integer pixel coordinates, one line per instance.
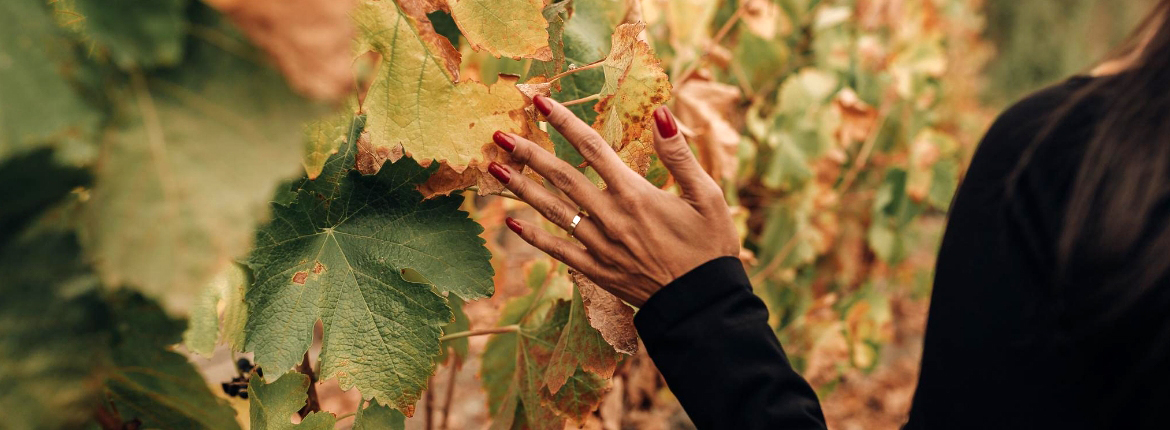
(513, 225)
(499, 172)
(665, 121)
(543, 104)
(504, 140)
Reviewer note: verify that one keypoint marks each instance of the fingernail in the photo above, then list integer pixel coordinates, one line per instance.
(543, 104)
(513, 225)
(499, 172)
(504, 140)
(665, 121)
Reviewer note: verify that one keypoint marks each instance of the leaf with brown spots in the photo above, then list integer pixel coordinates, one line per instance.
(634, 86)
(416, 102)
(339, 253)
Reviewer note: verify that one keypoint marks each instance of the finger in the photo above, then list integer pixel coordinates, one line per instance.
(591, 145)
(676, 155)
(557, 171)
(561, 249)
(553, 208)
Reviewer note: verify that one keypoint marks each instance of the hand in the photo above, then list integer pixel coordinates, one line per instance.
(637, 238)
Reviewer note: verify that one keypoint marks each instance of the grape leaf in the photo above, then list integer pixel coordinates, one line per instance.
(337, 254)
(308, 39)
(184, 179)
(515, 364)
(634, 86)
(204, 328)
(379, 417)
(39, 103)
(271, 405)
(31, 183)
(503, 28)
(415, 101)
(151, 383)
(53, 342)
(324, 136)
(135, 33)
(579, 33)
(457, 347)
(579, 344)
(612, 317)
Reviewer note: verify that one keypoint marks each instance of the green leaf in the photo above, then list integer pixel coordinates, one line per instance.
(338, 254)
(378, 417)
(272, 405)
(324, 136)
(135, 33)
(30, 184)
(515, 364)
(53, 342)
(151, 383)
(461, 323)
(579, 346)
(40, 106)
(204, 328)
(186, 176)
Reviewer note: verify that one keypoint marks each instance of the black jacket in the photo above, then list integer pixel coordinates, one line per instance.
(998, 351)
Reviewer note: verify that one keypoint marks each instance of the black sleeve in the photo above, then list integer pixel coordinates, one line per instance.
(709, 336)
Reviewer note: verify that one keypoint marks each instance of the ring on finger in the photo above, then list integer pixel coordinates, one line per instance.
(576, 220)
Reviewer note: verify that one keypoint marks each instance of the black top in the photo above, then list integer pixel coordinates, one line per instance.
(999, 350)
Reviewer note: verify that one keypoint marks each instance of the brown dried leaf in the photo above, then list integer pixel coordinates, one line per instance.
(706, 107)
(308, 39)
(608, 314)
(634, 86)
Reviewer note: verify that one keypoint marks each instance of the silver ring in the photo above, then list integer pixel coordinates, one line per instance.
(573, 225)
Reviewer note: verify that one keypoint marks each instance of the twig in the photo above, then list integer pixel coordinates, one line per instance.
(719, 35)
(313, 404)
(777, 261)
(450, 393)
(592, 65)
(493, 330)
(106, 419)
(864, 153)
(582, 100)
(430, 400)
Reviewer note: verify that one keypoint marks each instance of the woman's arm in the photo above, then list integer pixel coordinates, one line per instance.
(705, 329)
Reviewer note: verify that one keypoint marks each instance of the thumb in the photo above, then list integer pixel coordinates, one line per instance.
(676, 155)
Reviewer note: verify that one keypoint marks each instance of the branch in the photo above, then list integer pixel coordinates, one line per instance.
(450, 393)
(313, 404)
(430, 401)
(494, 330)
(582, 100)
(739, 11)
(592, 65)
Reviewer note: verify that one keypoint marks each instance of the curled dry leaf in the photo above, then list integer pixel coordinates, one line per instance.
(634, 86)
(308, 39)
(858, 119)
(704, 105)
(608, 314)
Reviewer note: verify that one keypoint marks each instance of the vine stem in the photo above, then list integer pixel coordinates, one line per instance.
(312, 405)
(592, 65)
(493, 330)
(430, 423)
(582, 100)
(739, 11)
(450, 391)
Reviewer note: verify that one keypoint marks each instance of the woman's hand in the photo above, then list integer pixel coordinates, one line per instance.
(637, 238)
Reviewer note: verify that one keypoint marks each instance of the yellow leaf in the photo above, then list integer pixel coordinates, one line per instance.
(416, 102)
(634, 86)
(503, 28)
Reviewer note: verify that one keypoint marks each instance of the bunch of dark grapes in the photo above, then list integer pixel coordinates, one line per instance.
(238, 387)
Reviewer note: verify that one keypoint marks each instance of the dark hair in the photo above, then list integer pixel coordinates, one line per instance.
(1123, 180)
